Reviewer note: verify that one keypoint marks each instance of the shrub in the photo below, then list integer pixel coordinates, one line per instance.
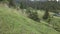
(32, 14)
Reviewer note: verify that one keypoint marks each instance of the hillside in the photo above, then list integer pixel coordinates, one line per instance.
(11, 22)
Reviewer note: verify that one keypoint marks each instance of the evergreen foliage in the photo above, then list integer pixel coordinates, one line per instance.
(46, 15)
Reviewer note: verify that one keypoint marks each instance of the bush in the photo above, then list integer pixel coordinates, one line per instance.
(32, 14)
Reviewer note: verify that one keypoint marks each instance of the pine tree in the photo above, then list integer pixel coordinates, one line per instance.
(46, 15)
(21, 5)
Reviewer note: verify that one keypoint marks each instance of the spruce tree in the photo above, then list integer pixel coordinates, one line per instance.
(46, 15)
(21, 5)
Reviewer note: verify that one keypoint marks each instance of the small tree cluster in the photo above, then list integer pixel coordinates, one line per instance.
(33, 15)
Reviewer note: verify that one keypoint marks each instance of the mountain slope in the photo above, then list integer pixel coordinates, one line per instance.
(11, 22)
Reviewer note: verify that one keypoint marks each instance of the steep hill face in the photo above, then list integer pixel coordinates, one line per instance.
(11, 22)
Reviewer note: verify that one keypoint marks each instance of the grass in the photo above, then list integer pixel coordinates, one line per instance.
(11, 22)
(55, 21)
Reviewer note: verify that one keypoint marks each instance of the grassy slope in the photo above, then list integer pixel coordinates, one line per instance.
(11, 22)
(55, 21)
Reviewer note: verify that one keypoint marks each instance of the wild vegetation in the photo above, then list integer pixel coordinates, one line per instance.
(27, 17)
